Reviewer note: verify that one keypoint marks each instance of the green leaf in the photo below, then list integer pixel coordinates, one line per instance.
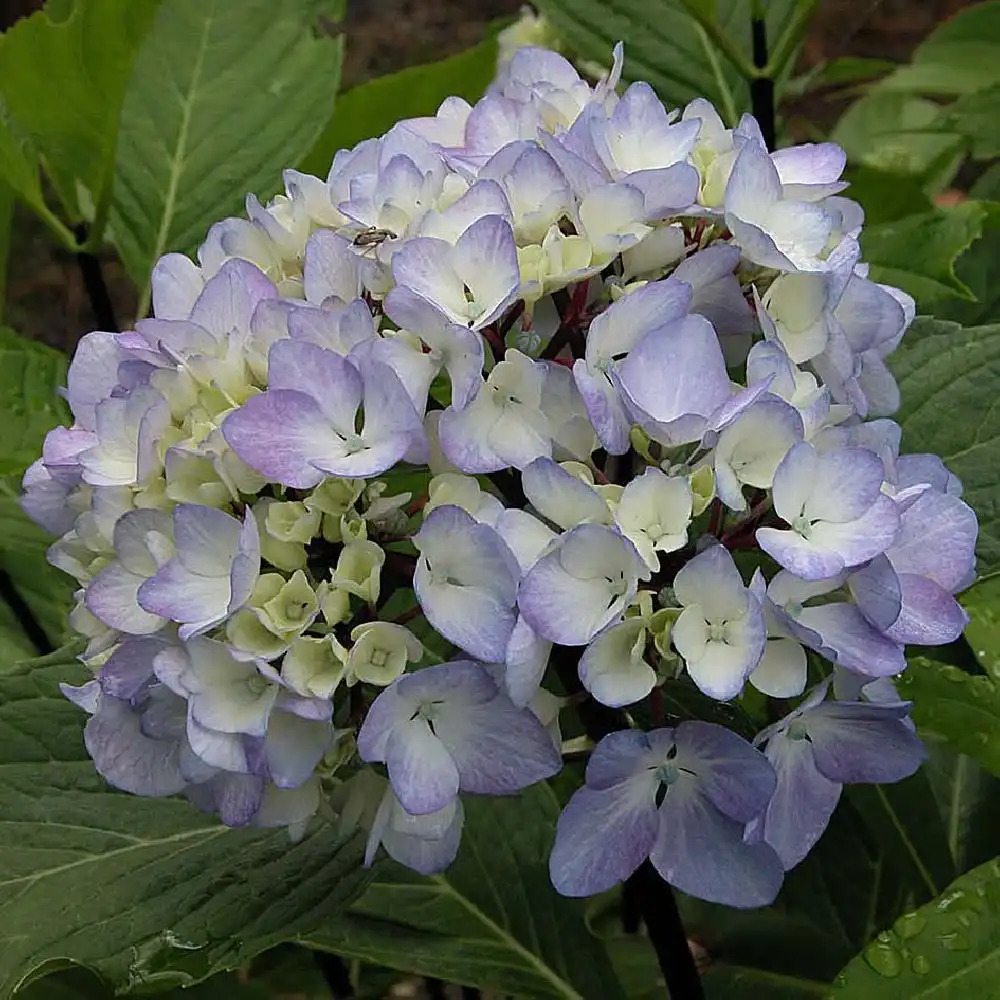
(6, 220)
(665, 46)
(225, 94)
(910, 841)
(144, 891)
(982, 602)
(974, 116)
(899, 134)
(887, 197)
(960, 710)
(30, 374)
(949, 377)
(960, 57)
(491, 920)
(979, 269)
(374, 107)
(30, 377)
(839, 72)
(968, 799)
(63, 80)
(946, 950)
(81, 984)
(918, 253)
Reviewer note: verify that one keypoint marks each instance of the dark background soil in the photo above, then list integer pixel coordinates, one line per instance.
(45, 295)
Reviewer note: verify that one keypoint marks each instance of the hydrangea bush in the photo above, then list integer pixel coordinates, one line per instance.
(436, 473)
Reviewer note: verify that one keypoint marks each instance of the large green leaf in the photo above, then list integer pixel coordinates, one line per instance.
(982, 602)
(961, 56)
(946, 950)
(979, 270)
(374, 107)
(949, 377)
(47, 591)
(960, 710)
(63, 76)
(664, 46)
(918, 253)
(30, 374)
(910, 839)
(892, 132)
(225, 94)
(6, 222)
(974, 116)
(968, 799)
(143, 891)
(491, 920)
(30, 377)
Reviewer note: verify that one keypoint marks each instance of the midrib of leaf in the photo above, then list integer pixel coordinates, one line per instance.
(905, 838)
(177, 161)
(993, 956)
(204, 832)
(563, 988)
(962, 766)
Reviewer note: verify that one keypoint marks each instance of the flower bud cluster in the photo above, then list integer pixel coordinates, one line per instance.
(561, 395)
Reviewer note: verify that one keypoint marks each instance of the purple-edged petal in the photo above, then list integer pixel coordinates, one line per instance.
(737, 779)
(937, 540)
(497, 747)
(581, 585)
(602, 837)
(421, 769)
(802, 803)
(676, 371)
(561, 497)
(466, 582)
(605, 408)
(293, 747)
(112, 597)
(229, 298)
(526, 658)
(125, 757)
(702, 853)
(859, 742)
(857, 645)
(283, 435)
(929, 615)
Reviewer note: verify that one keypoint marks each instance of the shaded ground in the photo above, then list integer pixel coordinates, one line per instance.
(46, 299)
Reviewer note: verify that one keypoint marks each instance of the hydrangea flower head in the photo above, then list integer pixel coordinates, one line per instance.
(563, 395)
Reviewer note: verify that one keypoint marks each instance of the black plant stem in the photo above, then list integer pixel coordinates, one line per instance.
(644, 892)
(762, 87)
(435, 989)
(93, 282)
(666, 933)
(336, 974)
(25, 616)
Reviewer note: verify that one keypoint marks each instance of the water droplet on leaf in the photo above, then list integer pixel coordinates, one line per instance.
(884, 959)
(909, 925)
(921, 965)
(954, 941)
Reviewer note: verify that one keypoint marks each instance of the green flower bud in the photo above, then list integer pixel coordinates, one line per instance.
(335, 496)
(292, 609)
(244, 631)
(312, 668)
(358, 570)
(191, 478)
(380, 652)
(292, 521)
(334, 603)
(702, 488)
(285, 554)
